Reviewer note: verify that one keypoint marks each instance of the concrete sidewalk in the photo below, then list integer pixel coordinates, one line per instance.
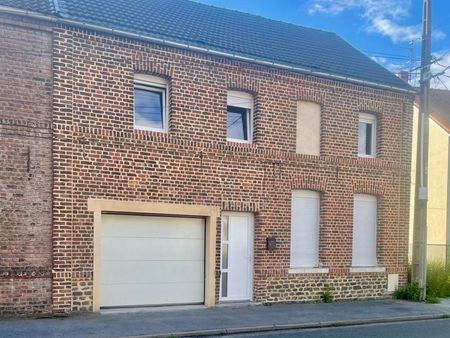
(223, 320)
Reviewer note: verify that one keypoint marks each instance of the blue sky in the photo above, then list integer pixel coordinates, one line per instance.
(382, 29)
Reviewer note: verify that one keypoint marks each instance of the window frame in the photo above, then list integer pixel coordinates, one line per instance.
(369, 119)
(305, 193)
(233, 98)
(152, 84)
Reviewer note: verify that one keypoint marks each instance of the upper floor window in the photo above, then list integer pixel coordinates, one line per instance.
(364, 231)
(150, 103)
(308, 128)
(367, 130)
(239, 117)
(305, 227)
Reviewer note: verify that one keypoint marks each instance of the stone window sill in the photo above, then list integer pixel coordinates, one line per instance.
(367, 269)
(309, 270)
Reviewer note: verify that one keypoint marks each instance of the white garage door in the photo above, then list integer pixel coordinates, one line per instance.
(149, 260)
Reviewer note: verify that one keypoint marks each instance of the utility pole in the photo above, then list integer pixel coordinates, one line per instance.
(419, 264)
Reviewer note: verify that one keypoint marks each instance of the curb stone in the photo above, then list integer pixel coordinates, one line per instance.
(281, 327)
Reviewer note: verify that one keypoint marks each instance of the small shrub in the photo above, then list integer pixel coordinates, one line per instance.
(327, 295)
(432, 300)
(410, 292)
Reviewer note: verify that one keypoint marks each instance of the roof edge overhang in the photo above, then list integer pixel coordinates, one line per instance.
(440, 122)
(126, 34)
(435, 117)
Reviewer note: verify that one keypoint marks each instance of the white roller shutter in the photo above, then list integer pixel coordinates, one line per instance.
(148, 260)
(364, 231)
(305, 221)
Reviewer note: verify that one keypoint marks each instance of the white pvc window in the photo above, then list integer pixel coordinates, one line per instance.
(150, 103)
(364, 231)
(367, 130)
(239, 117)
(305, 226)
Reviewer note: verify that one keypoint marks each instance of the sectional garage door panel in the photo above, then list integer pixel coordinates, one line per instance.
(154, 294)
(149, 260)
(151, 249)
(143, 272)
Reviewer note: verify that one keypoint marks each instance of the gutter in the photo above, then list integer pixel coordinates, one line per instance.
(71, 22)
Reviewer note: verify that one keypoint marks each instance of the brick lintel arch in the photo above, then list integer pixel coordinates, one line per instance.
(309, 182)
(369, 187)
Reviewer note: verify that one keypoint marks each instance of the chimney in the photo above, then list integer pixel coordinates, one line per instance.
(404, 75)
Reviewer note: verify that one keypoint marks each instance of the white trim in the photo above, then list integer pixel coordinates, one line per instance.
(305, 193)
(153, 83)
(369, 119)
(246, 101)
(239, 141)
(240, 99)
(250, 248)
(151, 80)
(366, 117)
(118, 32)
(365, 197)
(309, 270)
(357, 269)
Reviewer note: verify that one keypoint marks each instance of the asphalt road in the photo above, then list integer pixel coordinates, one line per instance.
(439, 328)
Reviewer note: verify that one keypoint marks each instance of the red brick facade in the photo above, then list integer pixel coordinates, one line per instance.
(25, 166)
(98, 154)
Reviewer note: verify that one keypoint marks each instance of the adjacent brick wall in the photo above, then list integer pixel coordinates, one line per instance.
(25, 166)
(97, 154)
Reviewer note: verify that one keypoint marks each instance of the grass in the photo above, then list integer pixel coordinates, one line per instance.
(432, 300)
(438, 279)
(438, 284)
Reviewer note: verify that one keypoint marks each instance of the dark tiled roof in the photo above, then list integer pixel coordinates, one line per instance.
(229, 31)
(40, 6)
(440, 107)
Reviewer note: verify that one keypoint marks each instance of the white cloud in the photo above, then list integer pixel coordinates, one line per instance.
(382, 16)
(396, 32)
(379, 59)
(393, 67)
(443, 82)
(368, 7)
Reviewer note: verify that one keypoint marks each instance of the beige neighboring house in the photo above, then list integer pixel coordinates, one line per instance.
(438, 175)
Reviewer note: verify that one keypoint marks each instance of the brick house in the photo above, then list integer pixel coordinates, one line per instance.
(177, 153)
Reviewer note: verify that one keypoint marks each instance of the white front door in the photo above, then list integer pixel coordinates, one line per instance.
(236, 257)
